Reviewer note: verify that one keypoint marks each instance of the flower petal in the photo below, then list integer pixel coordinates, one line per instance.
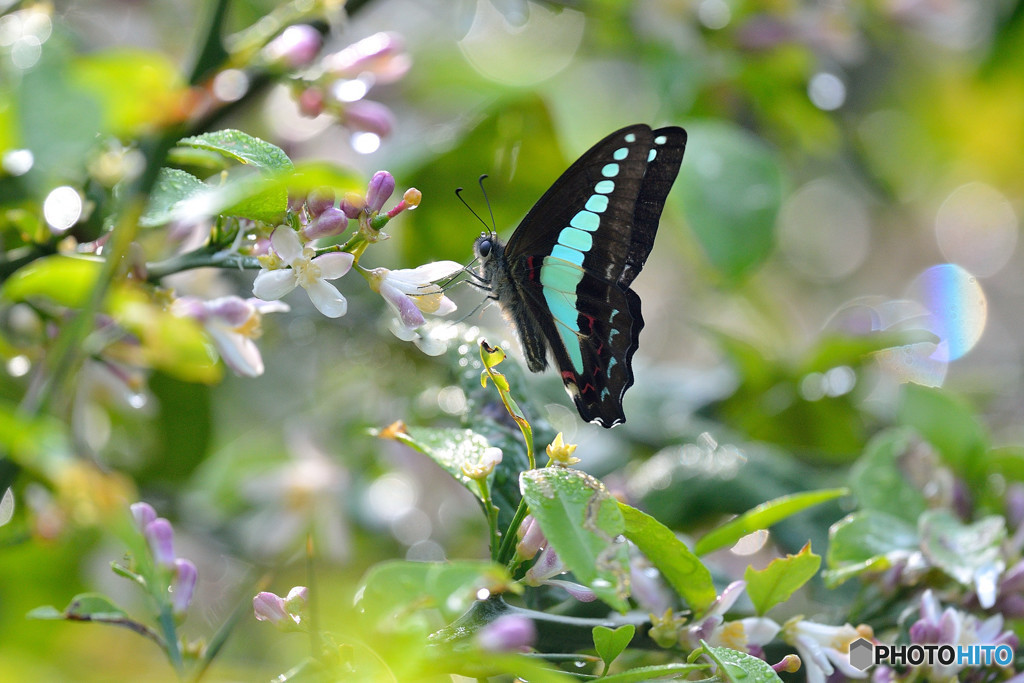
(430, 345)
(286, 243)
(432, 272)
(334, 264)
(446, 306)
(403, 305)
(327, 299)
(273, 284)
(238, 351)
(401, 331)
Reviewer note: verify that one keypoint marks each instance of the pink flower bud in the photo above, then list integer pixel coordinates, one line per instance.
(184, 585)
(143, 514)
(370, 116)
(160, 536)
(296, 47)
(311, 102)
(352, 205)
(372, 54)
(532, 539)
(382, 185)
(269, 607)
(331, 222)
(319, 200)
(508, 633)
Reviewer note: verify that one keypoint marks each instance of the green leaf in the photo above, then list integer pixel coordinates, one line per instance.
(763, 516)
(948, 424)
(62, 280)
(834, 350)
(962, 551)
(878, 482)
(452, 449)
(581, 521)
(731, 185)
(491, 357)
(610, 643)
(172, 188)
(739, 667)
(40, 444)
(862, 541)
(173, 344)
(138, 89)
(655, 672)
(243, 148)
(94, 607)
(47, 612)
(677, 563)
(398, 587)
(780, 579)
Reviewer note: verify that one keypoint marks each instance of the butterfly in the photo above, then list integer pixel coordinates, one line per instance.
(563, 277)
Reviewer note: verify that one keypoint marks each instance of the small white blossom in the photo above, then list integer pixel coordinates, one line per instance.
(824, 649)
(305, 270)
(412, 292)
(232, 323)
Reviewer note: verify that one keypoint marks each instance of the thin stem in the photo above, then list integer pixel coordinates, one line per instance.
(203, 257)
(171, 640)
(492, 515)
(508, 542)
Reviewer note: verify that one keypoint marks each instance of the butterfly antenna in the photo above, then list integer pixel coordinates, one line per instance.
(458, 193)
(494, 227)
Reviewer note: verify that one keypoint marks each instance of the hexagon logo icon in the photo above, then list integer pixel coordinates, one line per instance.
(861, 654)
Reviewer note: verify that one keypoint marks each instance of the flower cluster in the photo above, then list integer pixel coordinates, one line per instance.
(337, 84)
(294, 259)
(949, 626)
(176, 576)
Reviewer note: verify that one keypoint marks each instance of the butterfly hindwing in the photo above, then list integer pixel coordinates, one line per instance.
(564, 275)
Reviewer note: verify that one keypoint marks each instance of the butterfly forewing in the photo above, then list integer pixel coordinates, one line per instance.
(567, 268)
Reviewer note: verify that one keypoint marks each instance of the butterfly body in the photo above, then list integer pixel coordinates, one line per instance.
(564, 276)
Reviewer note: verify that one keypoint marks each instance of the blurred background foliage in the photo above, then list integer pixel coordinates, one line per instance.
(853, 183)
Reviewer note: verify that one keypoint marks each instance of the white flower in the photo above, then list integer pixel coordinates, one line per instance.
(825, 649)
(232, 323)
(740, 634)
(309, 272)
(411, 292)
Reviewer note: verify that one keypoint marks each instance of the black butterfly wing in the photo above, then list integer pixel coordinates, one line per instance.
(575, 254)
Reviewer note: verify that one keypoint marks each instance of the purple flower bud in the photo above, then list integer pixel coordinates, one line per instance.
(319, 200)
(295, 202)
(143, 514)
(160, 536)
(296, 47)
(285, 613)
(508, 633)
(331, 222)
(371, 54)
(270, 607)
(382, 185)
(295, 601)
(533, 539)
(233, 310)
(311, 102)
(370, 116)
(184, 585)
(352, 205)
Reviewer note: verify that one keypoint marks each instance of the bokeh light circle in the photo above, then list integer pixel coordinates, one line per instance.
(62, 208)
(976, 227)
(957, 308)
(824, 230)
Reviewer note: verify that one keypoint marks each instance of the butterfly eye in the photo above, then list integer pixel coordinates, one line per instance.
(485, 248)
